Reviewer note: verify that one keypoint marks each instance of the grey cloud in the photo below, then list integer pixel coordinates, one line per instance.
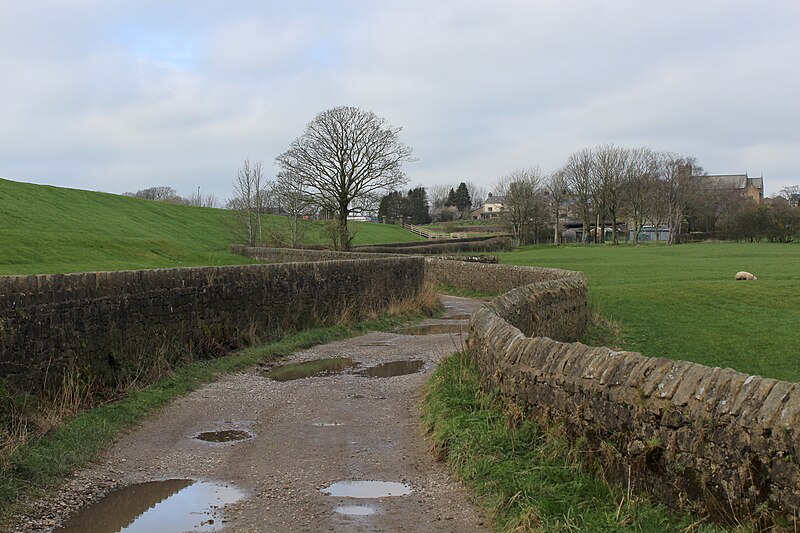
(123, 95)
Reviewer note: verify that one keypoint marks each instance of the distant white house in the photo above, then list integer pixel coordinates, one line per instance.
(491, 208)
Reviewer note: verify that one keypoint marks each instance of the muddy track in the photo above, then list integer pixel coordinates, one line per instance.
(305, 435)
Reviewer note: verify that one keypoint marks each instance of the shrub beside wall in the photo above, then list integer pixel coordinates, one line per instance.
(708, 439)
(111, 324)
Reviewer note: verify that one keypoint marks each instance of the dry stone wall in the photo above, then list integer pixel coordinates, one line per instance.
(300, 255)
(485, 277)
(470, 245)
(108, 324)
(707, 439)
(429, 242)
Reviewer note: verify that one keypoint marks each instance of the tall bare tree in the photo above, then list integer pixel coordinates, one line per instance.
(579, 171)
(609, 181)
(640, 179)
(659, 210)
(343, 155)
(557, 191)
(522, 197)
(679, 189)
(248, 202)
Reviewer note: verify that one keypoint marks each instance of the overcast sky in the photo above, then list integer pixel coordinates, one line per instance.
(120, 96)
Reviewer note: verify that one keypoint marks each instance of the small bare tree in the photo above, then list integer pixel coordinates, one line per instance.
(248, 202)
(202, 200)
(291, 201)
(477, 194)
(792, 195)
(579, 172)
(437, 195)
(159, 194)
(522, 196)
(346, 154)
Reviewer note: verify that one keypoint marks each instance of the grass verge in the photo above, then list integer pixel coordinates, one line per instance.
(524, 474)
(43, 463)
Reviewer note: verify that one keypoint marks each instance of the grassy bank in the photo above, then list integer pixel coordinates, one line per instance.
(46, 461)
(682, 301)
(50, 230)
(525, 475)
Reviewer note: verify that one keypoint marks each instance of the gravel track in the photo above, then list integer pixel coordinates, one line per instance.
(309, 433)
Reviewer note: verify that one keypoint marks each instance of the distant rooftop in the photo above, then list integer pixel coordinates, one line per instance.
(733, 181)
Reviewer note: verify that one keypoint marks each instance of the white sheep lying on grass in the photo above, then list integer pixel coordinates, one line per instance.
(746, 276)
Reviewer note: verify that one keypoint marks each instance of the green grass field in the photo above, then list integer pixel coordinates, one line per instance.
(49, 229)
(682, 301)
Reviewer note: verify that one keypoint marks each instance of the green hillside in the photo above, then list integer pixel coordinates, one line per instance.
(47, 229)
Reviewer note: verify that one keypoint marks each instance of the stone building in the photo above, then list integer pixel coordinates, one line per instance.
(748, 187)
(491, 208)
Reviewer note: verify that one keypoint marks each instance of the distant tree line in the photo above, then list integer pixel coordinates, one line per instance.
(609, 189)
(348, 162)
(171, 196)
(776, 220)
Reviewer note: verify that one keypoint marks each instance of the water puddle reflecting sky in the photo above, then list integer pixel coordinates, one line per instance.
(394, 368)
(227, 435)
(154, 507)
(319, 367)
(367, 489)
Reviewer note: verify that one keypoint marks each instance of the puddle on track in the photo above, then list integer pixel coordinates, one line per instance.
(227, 435)
(355, 510)
(378, 343)
(320, 367)
(327, 424)
(435, 329)
(395, 368)
(170, 505)
(367, 489)
(458, 316)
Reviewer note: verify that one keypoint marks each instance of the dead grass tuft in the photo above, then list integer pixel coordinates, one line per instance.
(29, 416)
(602, 331)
